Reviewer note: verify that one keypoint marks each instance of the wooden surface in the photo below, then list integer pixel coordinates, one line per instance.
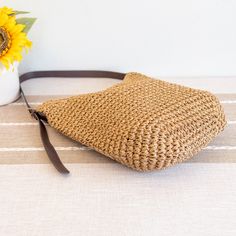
(101, 197)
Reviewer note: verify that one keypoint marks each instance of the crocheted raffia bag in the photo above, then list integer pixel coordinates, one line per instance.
(143, 123)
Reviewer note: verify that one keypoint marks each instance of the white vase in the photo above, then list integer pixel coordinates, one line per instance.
(9, 84)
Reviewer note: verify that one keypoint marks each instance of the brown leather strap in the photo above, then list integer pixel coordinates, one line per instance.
(51, 152)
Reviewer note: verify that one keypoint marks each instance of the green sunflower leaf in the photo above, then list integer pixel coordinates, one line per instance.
(20, 12)
(28, 22)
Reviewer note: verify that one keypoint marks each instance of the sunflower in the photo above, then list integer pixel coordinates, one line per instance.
(12, 38)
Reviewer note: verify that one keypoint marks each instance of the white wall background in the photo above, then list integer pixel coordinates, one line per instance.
(158, 37)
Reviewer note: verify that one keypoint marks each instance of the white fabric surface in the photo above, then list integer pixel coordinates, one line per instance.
(108, 199)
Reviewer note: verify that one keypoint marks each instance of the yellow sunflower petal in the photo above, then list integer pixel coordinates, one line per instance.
(7, 10)
(3, 18)
(5, 62)
(10, 24)
(17, 29)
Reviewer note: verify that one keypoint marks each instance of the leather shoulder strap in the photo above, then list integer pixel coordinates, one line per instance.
(51, 152)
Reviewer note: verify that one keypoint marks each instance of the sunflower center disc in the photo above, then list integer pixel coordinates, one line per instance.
(4, 40)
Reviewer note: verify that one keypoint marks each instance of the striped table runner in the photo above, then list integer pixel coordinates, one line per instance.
(20, 141)
(101, 197)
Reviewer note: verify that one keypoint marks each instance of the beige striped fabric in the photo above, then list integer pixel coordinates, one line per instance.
(20, 141)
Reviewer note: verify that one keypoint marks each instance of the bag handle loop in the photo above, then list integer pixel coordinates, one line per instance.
(51, 152)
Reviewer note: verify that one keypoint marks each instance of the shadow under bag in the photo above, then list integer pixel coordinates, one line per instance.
(143, 123)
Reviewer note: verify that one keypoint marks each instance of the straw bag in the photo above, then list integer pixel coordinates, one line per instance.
(143, 123)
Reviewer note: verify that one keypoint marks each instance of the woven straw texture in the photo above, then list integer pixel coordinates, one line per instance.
(143, 123)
